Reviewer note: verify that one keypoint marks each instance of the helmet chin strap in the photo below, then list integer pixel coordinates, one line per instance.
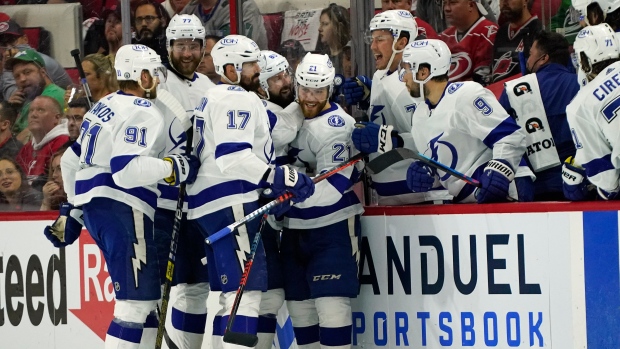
(147, 91)
(394, 53)
(230, 82)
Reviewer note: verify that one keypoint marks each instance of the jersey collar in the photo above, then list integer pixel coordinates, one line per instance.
(430, 106)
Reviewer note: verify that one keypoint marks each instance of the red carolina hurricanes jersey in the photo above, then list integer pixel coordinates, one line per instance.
(425, 29)
(473, 52)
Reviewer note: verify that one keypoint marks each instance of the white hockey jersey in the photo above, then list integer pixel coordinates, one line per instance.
(322, 143)
(117, 154)
(232, 139)
(466, 129)
(284, 124)
(592, 116)
(188, 92)
(392, 104)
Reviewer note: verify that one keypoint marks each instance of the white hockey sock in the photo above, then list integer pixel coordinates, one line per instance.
(149, 333)
(189, 315)
(305, 321)
(123, 335)
(246, 320)
(335, 322)
(271, 301)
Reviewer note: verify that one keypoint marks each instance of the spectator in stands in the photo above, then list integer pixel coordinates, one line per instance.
(49, 133)
(334, 34)
(174, 7)
(513, 37)
(425, 30)
(112, 31)
(538, 102)
(206, 66)
(431, 11)
(100, 76)
(32, 80)
(9, 145)
(12, 41)
(215, 16)
(54, 191)
(15, 192)
(294, 52)
(470, 38)
(75, 115)
(150, 20)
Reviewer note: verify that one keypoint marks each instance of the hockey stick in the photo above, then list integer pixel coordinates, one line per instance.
(242, 338)
(78, 64)
(171, 103)
(280, 199)
(393, 156)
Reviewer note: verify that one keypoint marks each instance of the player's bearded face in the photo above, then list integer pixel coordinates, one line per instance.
(312, 100)
(186, 56)
(281, 89)
(249, 76)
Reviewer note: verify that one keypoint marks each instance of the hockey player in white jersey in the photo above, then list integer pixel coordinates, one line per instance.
(592, 118)
(110, 174)
(463, 126)
(185, 37)
(232, 139)
(321, 234)
(391, 107)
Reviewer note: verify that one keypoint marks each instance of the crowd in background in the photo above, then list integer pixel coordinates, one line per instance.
(41, 107)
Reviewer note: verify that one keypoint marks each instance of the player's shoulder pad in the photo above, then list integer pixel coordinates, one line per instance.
(141, 102)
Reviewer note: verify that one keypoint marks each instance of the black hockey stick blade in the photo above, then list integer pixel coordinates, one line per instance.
(240, 338)
(388, 159)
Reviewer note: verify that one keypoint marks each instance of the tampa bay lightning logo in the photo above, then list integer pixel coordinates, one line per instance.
(375, 113)
(236, 88)
(293, 155)
(454, 86)
(265, 104)
(268, 151)
(176, 141)
(335, 121)
(434, 145)
(142, 102)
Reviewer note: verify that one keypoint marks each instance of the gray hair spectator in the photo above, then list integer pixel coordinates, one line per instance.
(513, 37)
(15, 193)
(49, 133)
(12, 41)
(431, 11)
(9, 145)
(28, 68)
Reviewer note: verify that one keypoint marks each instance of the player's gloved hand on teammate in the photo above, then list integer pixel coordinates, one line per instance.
(369, 138)
(67, 227)
(285, 178)
(495, 182)
(357, 90)
(184, 169)
(420, 177)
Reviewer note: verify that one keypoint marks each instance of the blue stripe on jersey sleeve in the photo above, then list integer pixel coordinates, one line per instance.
(77, 148)
(273, 119)
(219, 191)
(168, 192)
(505, 128)
(228, 148)
(599, 165)
(118, 163)
(340, 182)
(348, 199)
(106, 180)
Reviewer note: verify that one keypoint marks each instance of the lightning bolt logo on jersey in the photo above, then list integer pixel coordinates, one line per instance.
(434, 145)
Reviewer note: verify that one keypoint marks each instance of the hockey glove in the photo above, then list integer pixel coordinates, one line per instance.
(184, 169)
(357, 90)
(67, 227)
(369, 138)
(284, 178)
(494, 182)
(419, 177)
